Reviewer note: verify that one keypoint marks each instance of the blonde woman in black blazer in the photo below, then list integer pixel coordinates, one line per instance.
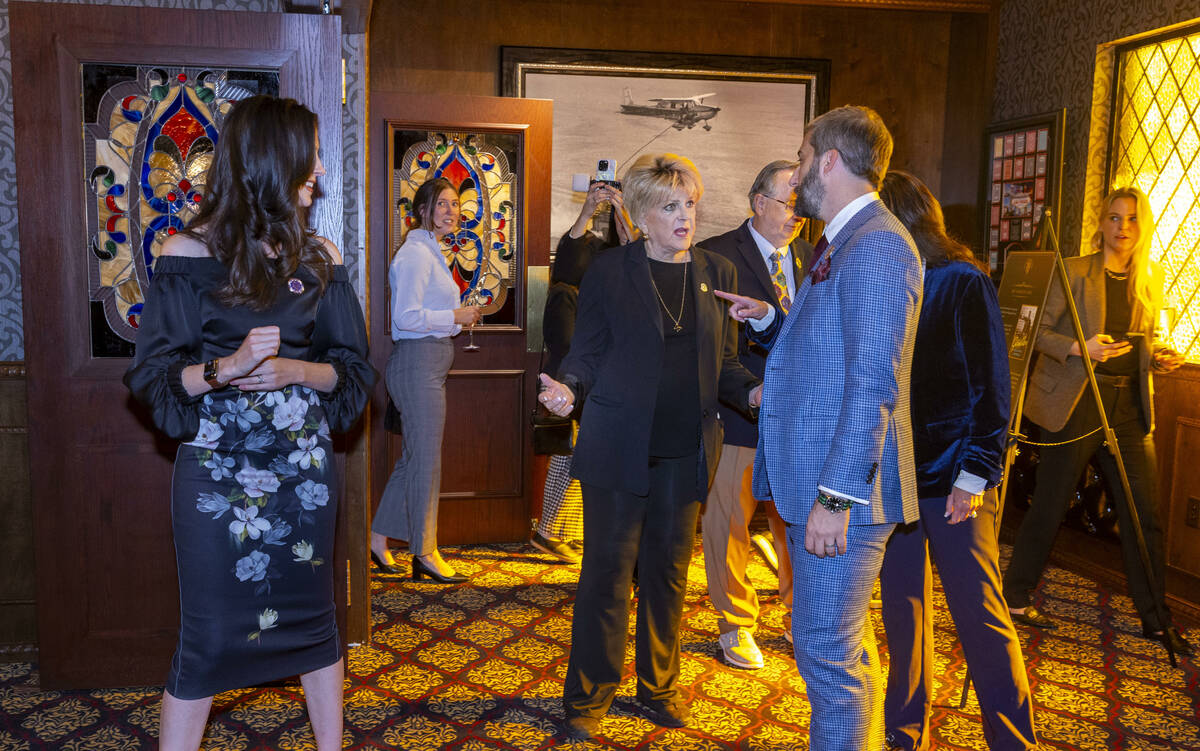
(1118, 292)
(653, 352)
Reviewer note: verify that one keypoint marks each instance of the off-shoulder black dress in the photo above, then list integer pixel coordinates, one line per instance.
(254, 495)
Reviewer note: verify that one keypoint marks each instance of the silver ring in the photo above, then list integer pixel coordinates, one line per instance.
(260, 379)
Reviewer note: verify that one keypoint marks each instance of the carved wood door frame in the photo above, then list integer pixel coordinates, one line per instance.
(487, 459)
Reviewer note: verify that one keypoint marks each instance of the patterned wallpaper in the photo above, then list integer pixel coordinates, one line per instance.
(1045, 60)
(12, 340)
(354, 137)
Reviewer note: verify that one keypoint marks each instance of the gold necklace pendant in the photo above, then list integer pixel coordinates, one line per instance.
(675, 319)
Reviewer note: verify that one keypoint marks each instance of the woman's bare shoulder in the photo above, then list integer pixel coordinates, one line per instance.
(335, 255)
(185, 246)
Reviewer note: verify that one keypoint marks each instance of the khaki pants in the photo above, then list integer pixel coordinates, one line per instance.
(726, 538)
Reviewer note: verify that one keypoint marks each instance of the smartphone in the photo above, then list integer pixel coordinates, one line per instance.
(606, 172)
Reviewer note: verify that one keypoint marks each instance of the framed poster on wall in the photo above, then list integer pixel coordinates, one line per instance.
(1022, 178)
(729, 114)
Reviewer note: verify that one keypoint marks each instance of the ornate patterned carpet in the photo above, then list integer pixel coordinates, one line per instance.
(480, 667)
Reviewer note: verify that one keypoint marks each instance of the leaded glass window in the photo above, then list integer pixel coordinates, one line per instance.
(482, 255)
(148, 138)
(1156, 145)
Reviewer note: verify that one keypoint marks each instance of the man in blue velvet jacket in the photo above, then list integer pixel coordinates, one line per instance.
(835, 440)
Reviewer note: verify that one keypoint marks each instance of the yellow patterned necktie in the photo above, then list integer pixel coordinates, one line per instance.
(779, 279)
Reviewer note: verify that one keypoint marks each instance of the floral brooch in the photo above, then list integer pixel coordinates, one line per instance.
(295, 286)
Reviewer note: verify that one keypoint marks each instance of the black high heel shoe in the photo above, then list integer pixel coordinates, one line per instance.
(382, 566)
(420, 571)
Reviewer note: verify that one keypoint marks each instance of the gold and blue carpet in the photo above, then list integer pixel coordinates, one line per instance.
(480, 667)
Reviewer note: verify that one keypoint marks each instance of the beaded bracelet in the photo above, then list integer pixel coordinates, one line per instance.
(833, 502)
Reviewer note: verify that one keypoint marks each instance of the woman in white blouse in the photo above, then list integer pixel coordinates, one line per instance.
(426, 312)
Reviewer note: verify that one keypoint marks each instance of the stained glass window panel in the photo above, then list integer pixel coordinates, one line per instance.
(1157, 148)
(483, 256)
(148, 138)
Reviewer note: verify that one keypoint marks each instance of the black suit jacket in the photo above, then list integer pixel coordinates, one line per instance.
(616, 357)
(754, 280)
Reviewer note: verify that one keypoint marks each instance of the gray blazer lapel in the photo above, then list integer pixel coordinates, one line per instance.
(1095, 295)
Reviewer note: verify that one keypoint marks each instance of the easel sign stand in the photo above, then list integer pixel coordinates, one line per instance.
(1110, 437)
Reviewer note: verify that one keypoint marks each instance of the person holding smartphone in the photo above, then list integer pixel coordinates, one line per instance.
(1118, 291)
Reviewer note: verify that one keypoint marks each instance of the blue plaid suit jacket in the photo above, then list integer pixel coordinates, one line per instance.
(835, 408)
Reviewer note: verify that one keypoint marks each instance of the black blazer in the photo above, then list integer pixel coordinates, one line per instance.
(754, 280)
(616, 358)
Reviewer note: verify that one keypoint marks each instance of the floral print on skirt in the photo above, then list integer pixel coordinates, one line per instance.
(253, 511)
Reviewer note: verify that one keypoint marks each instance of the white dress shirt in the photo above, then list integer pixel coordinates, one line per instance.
(424, 294)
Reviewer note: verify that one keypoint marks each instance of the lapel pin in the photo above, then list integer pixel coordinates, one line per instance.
(703, 287)
(295, 286)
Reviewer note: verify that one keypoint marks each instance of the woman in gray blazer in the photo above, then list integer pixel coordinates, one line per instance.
(1118, 291)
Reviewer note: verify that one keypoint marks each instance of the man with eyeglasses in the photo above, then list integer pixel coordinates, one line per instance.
(770, 260)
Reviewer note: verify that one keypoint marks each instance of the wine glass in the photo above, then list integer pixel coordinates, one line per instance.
(473, 298)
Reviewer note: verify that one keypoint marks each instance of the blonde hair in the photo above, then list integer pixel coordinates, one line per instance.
(1141, 273)
(653, 177)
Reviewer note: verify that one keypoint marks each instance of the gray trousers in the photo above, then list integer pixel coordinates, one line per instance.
(416, 380)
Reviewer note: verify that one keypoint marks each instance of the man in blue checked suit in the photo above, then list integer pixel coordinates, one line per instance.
(835, 441)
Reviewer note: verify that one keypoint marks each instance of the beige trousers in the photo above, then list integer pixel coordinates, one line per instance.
(726, 538)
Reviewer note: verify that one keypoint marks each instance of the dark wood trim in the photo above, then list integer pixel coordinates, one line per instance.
(962, 6)
(515, 62)
(18, 604)
(355, 14)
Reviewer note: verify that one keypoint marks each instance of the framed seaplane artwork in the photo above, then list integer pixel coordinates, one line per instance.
(728, 114)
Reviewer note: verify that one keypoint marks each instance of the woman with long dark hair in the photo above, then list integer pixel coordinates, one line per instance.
(252, 349)
(1118, 291)
(427, 310)
(960, 408)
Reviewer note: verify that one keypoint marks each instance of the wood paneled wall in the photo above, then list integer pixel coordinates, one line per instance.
(926, 73)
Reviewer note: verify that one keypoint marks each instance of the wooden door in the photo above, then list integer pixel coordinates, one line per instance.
(486, 490)
(107, 597)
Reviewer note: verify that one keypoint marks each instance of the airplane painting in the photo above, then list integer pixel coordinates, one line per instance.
(684, 112)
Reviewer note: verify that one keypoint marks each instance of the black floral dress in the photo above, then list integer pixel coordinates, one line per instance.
(254, 494)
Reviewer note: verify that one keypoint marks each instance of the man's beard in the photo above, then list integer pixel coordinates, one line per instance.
(810, 194)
